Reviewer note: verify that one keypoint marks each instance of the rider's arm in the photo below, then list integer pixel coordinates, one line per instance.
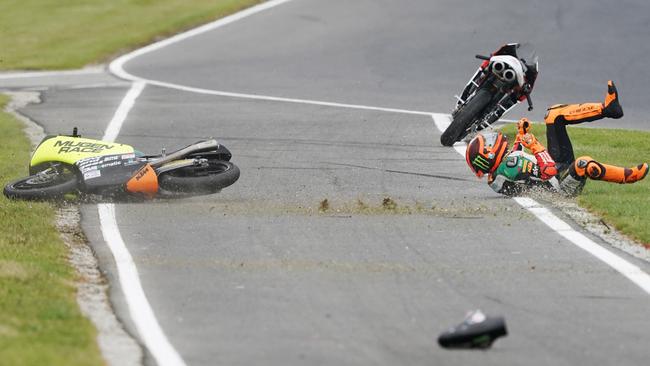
(545, 162)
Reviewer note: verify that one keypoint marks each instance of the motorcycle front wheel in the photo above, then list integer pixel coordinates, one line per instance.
(464, 118)
(218, 174)
(51, 183)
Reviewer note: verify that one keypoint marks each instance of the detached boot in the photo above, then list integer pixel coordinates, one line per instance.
(612, 103)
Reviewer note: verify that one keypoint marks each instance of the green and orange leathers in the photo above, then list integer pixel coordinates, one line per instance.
(573, 173)
(69, 149)
(518, 166)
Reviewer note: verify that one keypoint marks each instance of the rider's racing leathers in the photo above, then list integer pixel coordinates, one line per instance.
(519, 170)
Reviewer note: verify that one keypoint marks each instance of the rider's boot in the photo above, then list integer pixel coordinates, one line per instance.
(612, 103)
(585, 166)
(571, 185)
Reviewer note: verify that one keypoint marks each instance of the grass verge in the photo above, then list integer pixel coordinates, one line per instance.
(40, 322)
(68, 34)
(625, 206)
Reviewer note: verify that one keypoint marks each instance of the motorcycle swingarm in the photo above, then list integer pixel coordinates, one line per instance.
(177, 164)
(200, 146)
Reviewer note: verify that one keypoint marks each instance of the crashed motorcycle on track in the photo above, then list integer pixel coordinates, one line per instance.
(64, 164)
(505, 78)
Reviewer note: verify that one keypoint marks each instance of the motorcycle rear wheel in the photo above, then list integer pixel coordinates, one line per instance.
(464, 118)
(51, 183)
(198, 179)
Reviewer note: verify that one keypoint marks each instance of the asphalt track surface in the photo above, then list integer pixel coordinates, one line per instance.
(257, 275)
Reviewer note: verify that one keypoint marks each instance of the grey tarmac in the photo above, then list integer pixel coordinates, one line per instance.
(261, 274)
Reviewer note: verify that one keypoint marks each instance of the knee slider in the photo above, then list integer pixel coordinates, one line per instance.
(586, 166)
(595, 170)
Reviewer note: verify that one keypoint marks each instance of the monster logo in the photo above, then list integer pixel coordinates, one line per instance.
(481, 163)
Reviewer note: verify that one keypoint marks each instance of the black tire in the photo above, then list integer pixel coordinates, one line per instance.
(41, 186)
(465, 116)
(200, 180)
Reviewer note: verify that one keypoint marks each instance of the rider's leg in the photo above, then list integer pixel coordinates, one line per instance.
(558, 116)
(570, 114)
(587, 168)
(559, 145)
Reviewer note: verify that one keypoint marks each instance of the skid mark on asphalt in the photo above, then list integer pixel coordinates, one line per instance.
(446, 177)
(365, 205)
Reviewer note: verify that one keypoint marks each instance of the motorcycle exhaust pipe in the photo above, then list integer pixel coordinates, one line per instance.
(498, 67)
(509, 75)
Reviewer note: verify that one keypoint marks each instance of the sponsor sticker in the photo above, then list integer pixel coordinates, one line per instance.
(92, 174)
(86, 169)
(111, 158)
(108, 165)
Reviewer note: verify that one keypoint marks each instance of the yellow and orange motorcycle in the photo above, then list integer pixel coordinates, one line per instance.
(63, 164)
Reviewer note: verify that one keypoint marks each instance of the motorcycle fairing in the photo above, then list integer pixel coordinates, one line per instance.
(69, 150)
(144, 181)
(108, 173)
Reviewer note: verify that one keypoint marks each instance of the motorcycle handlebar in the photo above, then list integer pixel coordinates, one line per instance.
(481, 57)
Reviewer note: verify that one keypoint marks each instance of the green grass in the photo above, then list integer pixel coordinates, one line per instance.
(626, 206)
(40, 322)
(67, 34)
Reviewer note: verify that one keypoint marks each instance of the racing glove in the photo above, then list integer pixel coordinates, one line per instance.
(529, 141)
(545, 162)
(523, 126)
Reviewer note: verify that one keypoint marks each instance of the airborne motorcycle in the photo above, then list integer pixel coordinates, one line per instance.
(63, 164)
(505, 78)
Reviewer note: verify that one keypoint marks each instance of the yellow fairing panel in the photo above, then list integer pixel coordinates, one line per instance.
(69, 149)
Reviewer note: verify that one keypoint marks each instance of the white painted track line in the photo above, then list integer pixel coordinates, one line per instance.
(141, 313)
(139, 308)
(279, 99)
(116, 67)
(115, 125)
(627, 269)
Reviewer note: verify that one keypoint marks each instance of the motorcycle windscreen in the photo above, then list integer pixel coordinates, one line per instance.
(509, 49)
(528, 55)
(524, 51)
(69, 149)
(110, 173)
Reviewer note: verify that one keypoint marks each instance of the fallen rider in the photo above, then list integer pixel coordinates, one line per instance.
(513, 172)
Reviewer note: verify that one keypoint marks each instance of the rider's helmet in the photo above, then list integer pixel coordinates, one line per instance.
(485, 152)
